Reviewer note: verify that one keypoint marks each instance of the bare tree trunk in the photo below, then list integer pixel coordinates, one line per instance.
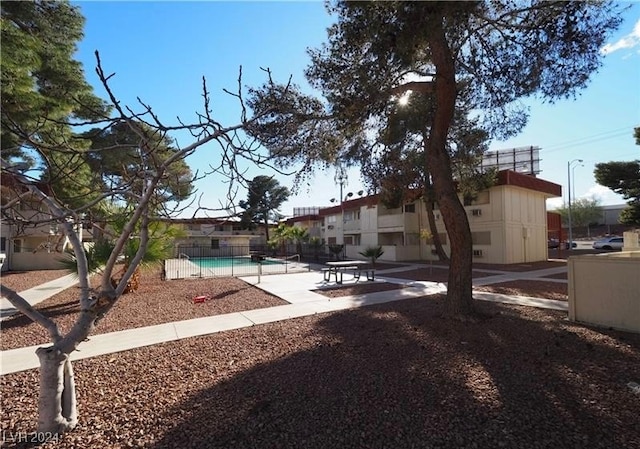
(433, 229)
(57, 411)
(459, 298)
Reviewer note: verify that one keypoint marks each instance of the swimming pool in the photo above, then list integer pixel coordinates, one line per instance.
(228, 262)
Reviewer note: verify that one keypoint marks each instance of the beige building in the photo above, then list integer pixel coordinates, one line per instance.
(29, 237)
(219, 235)
(508, 224)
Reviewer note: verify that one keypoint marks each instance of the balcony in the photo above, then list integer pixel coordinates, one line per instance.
(352, 225)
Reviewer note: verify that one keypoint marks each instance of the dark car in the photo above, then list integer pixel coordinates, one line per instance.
(555, 243)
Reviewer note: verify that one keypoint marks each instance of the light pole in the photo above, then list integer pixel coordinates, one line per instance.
(341, 179)
(573, 176)
(569, 195)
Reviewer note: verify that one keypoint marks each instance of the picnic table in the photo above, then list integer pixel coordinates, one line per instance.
(338, 268)
(257, 256)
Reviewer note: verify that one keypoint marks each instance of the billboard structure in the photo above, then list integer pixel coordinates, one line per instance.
(300, 211)
(524, 160)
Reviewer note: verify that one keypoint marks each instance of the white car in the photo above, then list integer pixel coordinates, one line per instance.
(609, 243)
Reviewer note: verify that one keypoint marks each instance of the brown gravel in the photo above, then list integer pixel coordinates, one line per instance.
(534, 288)
(431, 274)
(514, 267)
(358, 289)
(156, 302)
(520, 267)
(558, 276)
(394, 375)
(23, 280)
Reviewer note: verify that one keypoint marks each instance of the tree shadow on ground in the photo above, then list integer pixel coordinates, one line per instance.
(399, 375)
(53, 311)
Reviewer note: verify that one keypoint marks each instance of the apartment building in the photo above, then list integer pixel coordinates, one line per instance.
(508, 223)
(216, 234)
(29, 237)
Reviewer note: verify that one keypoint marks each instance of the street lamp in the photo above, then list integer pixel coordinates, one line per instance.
(573, 176)
(341, 179)
(569, 164)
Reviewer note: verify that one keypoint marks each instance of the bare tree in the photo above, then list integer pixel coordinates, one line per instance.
(139, 186)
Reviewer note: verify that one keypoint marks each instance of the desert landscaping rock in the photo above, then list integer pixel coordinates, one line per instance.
(529, 287)
(394, 375)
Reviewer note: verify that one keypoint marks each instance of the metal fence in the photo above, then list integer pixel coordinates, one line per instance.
(191, 261)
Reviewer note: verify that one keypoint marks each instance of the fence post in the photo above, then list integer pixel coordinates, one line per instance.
(259, 268)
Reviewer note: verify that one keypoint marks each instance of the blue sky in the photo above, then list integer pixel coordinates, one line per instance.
(160, 51)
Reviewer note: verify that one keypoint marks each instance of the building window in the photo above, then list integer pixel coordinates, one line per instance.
(481, 238)
(410, 208)
(215, 243)
(331, 241)
(3, 244)
(482, 198)
(348, 240)
(17, 246)
(332, 219)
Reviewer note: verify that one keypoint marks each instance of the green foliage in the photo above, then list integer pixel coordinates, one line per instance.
(621, 177)
(336, 250)
(265, 197)
(96, 253)
(42, 84)
(115, 154)
(584, 211)
(451, 58)
(159, 247)
(372, 253)
(624, 179)
(628, 185)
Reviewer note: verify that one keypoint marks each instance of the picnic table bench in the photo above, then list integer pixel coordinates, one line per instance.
(357, 267)
(257, 256)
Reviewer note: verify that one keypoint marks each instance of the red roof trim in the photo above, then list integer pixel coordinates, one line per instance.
(511, 178)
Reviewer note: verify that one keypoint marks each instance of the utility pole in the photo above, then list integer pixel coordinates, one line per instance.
(569, 195)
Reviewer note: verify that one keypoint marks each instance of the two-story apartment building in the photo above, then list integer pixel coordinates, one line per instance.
(216, 234)
(29, 238)
(508, 223)
(312, 222)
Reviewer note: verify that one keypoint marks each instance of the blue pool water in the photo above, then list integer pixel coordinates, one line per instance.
(228, 262)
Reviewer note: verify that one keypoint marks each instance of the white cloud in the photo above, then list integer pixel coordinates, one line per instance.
(629, 41)
(604, 195)
(554, 203)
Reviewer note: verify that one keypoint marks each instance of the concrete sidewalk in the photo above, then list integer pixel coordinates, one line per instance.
(38, 294)
(293, 288)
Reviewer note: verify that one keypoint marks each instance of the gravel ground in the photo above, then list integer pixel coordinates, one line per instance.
(430, 274)
(358, 289)
(535, 288)
(23, 280)
(394, 375)
(155, 302)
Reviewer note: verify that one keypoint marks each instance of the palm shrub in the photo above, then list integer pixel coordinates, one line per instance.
(372, 253)
(315, 244)
(159, 247)
(336, 250)
(299, 235)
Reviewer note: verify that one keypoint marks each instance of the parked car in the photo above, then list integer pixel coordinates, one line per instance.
(555, 243)
(609, 243)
